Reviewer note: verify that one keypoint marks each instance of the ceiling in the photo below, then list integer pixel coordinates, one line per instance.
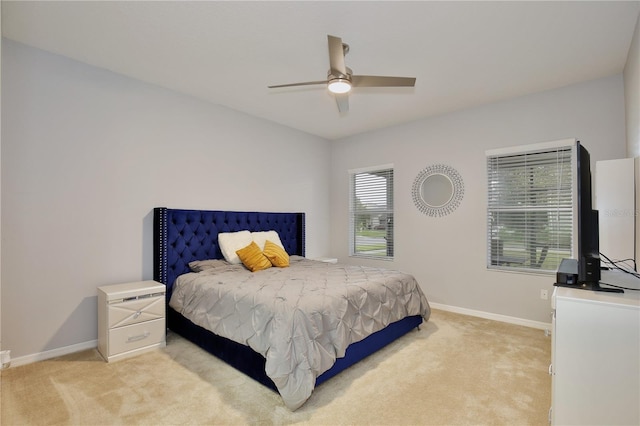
(463, 54)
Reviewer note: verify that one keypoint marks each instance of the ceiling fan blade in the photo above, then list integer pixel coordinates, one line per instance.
(306, 83)
(336, 56)
(342, 100)
(382, 81)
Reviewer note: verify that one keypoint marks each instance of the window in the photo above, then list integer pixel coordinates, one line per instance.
(530, 214)
(371, 212)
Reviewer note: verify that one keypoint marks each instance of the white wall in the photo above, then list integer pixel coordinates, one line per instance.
(448, 255)
(87, 154)
(632, 94)
(632, 109)
(1, 347)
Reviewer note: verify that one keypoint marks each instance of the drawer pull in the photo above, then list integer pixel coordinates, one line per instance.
(136, 315)
(138, 337)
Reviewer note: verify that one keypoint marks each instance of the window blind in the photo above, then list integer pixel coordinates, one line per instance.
(371, 213)
(530, 209)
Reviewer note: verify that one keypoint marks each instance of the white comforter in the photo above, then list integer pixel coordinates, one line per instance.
(300, 318)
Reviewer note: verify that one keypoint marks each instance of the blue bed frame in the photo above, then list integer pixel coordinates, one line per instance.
(181, 236)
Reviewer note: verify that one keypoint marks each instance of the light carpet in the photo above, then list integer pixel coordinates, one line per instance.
(456, 370)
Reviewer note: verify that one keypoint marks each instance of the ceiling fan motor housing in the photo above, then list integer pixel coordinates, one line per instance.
(337, 74)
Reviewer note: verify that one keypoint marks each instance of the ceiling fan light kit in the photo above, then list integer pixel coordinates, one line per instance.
(339, 85)
(340, 78)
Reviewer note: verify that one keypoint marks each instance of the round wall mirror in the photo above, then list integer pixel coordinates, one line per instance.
(438, 190)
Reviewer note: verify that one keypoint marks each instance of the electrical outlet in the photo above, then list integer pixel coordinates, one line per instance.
(544, 294)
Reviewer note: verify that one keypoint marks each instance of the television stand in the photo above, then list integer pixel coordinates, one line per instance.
(567, 276)
(593, 286)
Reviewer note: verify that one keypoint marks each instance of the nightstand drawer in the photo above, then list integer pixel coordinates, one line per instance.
(136, 311)
(130, 337)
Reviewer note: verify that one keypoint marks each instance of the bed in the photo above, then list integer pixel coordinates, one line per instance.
(184, 236)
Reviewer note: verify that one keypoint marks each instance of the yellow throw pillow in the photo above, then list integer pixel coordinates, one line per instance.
(276, 254)
(252, 257)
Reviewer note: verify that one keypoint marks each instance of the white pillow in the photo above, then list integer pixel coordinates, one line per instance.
(260, 238)
(230, 242)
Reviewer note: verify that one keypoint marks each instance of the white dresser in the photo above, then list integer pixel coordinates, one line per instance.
(595, 353)
(131, 319)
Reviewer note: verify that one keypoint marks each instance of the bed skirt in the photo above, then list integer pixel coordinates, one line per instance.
(246, 360)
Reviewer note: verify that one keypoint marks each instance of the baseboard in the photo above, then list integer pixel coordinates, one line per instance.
(492, 316)
(41, 356)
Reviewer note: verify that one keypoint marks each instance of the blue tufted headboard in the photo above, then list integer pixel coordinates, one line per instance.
(182, 236)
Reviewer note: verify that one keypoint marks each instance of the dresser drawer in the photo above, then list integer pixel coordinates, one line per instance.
(130, 337)
(136, 311)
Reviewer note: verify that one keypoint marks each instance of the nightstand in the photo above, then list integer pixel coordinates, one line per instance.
(131, 319)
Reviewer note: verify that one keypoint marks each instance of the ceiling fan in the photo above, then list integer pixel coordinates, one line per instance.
(340, 78)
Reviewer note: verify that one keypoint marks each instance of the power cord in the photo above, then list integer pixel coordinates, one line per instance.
(615, 264)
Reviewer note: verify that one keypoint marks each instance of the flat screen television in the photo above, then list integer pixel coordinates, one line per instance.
(584, 272)
(588, 227)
